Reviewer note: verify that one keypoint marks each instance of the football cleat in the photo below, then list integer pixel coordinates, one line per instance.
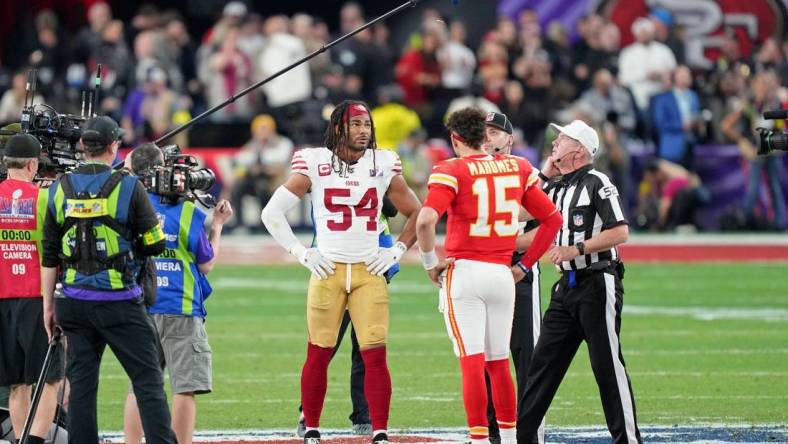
(380, 438)
(301, 427)
(362, 429)
(312, 437)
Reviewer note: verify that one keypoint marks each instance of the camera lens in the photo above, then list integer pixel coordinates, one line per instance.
(201, 179)
(777, 141)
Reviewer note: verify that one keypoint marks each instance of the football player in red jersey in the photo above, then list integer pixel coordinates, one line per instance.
(483, 195)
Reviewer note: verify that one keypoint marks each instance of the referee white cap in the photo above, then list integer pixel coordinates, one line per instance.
(580, 131)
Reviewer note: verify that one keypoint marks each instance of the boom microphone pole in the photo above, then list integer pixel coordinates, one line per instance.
(96, 91)
(317, 52)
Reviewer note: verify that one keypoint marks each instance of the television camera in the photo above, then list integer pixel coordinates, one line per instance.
(58, 133)
(179, 178)
(770, 139)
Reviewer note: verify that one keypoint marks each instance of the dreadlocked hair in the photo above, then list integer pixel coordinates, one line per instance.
(337, 137)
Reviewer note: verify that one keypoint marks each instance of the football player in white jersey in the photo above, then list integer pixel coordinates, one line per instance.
(346, 180)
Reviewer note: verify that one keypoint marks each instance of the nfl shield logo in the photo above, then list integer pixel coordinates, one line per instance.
(577, 219)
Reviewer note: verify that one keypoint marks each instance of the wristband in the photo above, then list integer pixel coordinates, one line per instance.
(543, 177)
(525, 269)
(429, 259)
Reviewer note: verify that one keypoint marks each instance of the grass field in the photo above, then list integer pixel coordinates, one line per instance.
(704, 343)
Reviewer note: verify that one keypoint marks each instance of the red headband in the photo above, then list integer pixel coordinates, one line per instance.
(355, 110)
(458, 137)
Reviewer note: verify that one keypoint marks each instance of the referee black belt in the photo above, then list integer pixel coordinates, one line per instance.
(597, 267)
(594, 268)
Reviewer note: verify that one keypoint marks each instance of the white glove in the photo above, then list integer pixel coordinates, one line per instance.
(313, 260)
(385, 259)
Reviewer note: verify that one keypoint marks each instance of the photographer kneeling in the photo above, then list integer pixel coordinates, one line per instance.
(99, 224)
(179, 311)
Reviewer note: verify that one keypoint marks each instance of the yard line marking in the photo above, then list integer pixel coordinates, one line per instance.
(629, 351)
(670, 374)
(710, 313)
(295, 335)
(706, 432)
(300, 286)
(709, 332)
(707, 397)
(708, 351)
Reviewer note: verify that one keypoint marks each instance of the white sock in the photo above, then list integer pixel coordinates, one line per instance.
(508, 436)
(309, 429)
(480, 441)
(375, 432)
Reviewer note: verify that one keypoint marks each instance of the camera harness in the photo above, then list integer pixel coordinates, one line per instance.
(84, 258)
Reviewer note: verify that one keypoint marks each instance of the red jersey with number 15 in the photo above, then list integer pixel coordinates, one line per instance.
(482, 195)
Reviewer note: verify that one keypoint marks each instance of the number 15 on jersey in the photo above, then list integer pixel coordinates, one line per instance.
(496, 212)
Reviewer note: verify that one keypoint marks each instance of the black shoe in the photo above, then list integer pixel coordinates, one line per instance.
(380, 438)
(312, 437)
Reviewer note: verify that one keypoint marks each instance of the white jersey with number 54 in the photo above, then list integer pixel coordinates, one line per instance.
(346, 209)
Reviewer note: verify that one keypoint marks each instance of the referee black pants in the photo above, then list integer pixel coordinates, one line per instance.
(589, 311)
(123, 325)
(525, 332)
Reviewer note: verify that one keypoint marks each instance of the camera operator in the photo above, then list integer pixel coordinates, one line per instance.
(23, 339)
(740, 126)
(99, 224)
(179, 311)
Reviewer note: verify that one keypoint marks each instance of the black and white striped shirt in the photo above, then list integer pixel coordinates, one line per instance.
(589, 204)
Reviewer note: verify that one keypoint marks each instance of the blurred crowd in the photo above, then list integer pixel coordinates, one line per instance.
(156, 74)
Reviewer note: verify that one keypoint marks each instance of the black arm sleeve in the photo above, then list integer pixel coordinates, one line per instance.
(142, 218)
(389, 210)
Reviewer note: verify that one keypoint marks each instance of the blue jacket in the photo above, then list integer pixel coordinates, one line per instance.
(669, 125)
(182, 288)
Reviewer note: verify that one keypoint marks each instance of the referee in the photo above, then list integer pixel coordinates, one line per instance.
(586, 301)
(527, 302)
